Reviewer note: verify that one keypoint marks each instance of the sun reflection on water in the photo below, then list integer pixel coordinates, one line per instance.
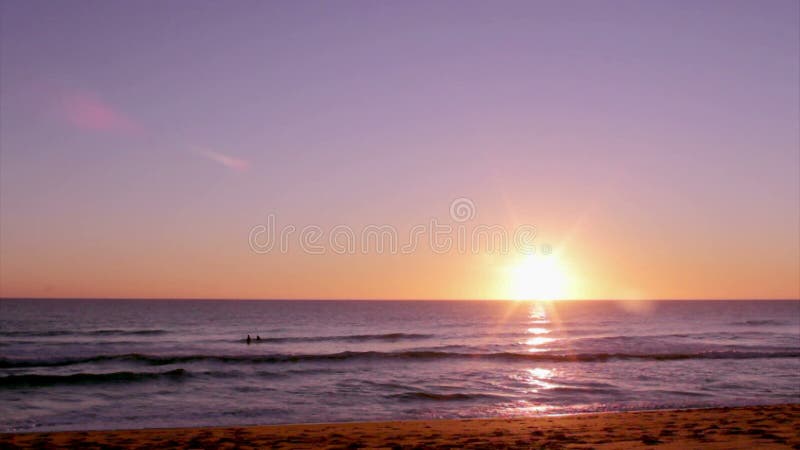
(540, 324)
(538, 330)
(537, 316)
(524, 407)
(537, 379)
(541, 372)
(535, 343)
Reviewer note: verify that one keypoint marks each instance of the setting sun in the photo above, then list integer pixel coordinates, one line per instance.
(538, 278)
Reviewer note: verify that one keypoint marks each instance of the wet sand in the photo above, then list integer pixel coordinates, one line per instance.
(762, 427)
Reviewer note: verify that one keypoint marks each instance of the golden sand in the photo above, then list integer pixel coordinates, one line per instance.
(755, 427)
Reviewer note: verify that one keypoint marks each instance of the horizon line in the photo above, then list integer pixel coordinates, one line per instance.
(401, 299)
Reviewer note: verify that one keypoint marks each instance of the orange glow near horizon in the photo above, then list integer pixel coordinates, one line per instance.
(163, 262)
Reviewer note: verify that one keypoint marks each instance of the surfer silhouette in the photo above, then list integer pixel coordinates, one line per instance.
(248, 339)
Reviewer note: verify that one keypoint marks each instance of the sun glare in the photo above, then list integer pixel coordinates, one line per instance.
(538, 278)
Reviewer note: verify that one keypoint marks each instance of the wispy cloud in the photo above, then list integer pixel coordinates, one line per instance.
(88, 112)
(226, 160)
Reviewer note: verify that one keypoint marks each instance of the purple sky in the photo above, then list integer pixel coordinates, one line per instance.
(648, 138)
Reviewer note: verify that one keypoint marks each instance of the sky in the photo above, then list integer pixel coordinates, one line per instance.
(654, 147)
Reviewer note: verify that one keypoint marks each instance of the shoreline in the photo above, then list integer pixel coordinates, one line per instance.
(767, 426)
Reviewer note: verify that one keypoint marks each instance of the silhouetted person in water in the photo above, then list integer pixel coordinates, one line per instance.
(258, 338)
(248, 339)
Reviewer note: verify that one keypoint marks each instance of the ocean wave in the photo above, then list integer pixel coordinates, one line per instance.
(575, 390)
(52, 333)
(696, 336)
(755, 323)
(456, 396)
(37, 380)
(159, 360)
(345, 338)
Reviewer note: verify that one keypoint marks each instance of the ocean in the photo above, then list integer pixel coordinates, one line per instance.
(101, 364)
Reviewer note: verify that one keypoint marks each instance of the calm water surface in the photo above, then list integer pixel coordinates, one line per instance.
(90, 364)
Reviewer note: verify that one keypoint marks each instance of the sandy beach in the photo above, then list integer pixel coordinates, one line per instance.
(763, 427)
